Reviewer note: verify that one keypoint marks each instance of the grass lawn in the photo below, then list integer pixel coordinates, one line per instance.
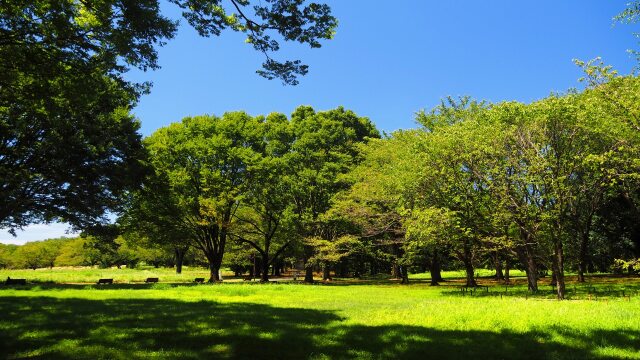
(344, 320)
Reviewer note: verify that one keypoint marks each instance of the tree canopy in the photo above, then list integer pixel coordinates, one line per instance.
(69, 149)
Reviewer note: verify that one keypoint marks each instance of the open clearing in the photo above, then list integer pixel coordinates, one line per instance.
(368, 320)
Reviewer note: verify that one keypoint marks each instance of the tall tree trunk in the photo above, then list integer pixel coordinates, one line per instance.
(559, 267)
(395, 270)
(308, 268)
(308, 275)
(527, 258)
(468, 264)
(434, 269)
(471, 281)
(214, 273)
(179, 254)
(404, 275)
(507, 268)
(326, 272)
(265, 267)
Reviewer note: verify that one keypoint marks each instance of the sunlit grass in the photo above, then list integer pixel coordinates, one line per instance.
(91, 275)
(322, 321)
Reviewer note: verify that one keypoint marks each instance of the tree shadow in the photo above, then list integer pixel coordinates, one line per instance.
(56, 328)
(72, 328)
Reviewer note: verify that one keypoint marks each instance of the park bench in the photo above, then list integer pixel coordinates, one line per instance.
(11, 281)
(151, 280)
(199, 280)
(248, 278)
(105, 281)
(474, 288)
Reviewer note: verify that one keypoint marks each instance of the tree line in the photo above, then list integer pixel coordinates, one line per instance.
(543, 186)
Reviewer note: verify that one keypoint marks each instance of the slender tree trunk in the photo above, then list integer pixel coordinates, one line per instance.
(507, 268)
(395, 271)
(434, 269)
(179, 253)
(308, 269)
(326, 272)
(468, 265)
(527, 258)
(559, 265)
(471, 281)
(404, 274)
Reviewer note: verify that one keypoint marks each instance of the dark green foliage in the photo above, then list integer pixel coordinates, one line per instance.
(69, 149)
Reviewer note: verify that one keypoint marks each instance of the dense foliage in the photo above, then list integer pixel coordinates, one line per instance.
(69, 148)
(260, 182)
(548, 185)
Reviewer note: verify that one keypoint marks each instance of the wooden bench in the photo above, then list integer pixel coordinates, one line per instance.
(248, 278)
(105, 281)
(465, 288)
(11, 281)
(151, 280)
(199, 280)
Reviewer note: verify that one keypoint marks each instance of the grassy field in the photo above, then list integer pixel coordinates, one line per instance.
(340, 320)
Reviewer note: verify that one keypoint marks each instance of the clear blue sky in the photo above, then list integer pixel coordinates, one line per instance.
(388, 60)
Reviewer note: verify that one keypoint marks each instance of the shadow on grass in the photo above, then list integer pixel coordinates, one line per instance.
(53, 328)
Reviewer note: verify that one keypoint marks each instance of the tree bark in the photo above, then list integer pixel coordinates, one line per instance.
(434, 269)
(308, 275)
(507, 268)
(264, 276)
(179, 253)
(326, 272)
(559, 267)
(527, 258)
(395, 271)
(308, 270)
(404, 274)
(214, 273)
(468, 265)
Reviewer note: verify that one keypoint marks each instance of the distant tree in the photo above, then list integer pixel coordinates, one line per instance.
(7, 258)
(38, 254)
(73, 253)
(326, 148)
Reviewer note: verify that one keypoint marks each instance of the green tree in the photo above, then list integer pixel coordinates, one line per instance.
(73, 253)
(69, 149)
(200, 173)
(265, 216)
(7, 258)
(326, 147)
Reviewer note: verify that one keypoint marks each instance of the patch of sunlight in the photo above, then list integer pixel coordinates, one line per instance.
(268, 336)
(37, 334)
(321, 356)
(219, 349)
(611, 352)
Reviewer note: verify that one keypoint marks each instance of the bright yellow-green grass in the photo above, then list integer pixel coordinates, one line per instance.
(340, 320)
(91, 275)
